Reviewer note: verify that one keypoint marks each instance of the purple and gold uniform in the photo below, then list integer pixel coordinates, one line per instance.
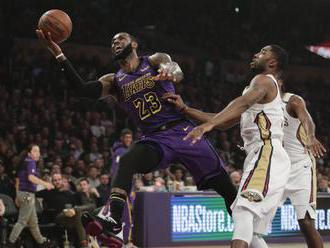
(161, 124)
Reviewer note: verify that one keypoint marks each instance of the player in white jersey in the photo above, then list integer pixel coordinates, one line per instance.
(267, 165)
(302, 146)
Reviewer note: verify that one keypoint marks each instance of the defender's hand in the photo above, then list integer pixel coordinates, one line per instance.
(166, 72)
(315, 146)
(47, 41)
(176, 100)
(197, 133)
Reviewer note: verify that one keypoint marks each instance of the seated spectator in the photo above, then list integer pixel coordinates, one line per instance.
(93, 177)
(2, 208)
(80, 169)
(323, 184)
(67, 185)
(148, 179)
(159, 185)
(94, 154)
(119, 148)
(178, 182)
(104, 188)
(6, 186)
(60, 204)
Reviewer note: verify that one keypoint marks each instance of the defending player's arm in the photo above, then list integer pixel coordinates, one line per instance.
(257, 91)
(168, 69)
(297, 108)
(193, 113)
(91, 89)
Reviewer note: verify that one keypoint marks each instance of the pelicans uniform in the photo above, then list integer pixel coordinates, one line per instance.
(301, 186)
(267, 165)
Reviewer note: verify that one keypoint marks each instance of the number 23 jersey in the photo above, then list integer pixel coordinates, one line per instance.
(140, 96)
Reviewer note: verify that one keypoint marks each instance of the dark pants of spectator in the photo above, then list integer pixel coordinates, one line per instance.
(73, 223)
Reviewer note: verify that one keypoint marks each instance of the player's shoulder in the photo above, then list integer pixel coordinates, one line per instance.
(293, 99)
(262, 80)
(107, 78)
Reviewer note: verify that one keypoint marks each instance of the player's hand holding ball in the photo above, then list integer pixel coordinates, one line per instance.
(54, 27)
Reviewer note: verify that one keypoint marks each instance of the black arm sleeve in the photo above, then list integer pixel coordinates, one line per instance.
(92, 89)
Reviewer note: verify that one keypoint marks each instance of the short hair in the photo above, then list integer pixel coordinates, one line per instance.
(83, 179)
(133, 38)
(126, 131)
(281, 55)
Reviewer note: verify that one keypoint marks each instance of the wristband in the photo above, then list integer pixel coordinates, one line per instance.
(59, 56)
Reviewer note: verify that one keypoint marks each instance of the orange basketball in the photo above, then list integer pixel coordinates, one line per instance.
(58, 23)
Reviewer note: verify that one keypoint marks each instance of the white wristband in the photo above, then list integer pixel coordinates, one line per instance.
(59, 56)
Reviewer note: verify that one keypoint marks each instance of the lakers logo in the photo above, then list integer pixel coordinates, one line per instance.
(138, 85)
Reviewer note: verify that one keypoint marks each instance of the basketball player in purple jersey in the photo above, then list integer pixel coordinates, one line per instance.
(138, 87)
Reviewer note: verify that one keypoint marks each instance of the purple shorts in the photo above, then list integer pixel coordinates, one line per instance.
(200, 159)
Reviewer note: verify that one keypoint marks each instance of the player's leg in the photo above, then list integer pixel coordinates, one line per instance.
(224, 187)
(207, 169)
(141, 158)
(303, 198)
(258, 241)
(243, 227)
(312, 236)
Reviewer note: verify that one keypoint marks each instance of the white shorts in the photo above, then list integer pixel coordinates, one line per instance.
(266, 170)
(301, 188)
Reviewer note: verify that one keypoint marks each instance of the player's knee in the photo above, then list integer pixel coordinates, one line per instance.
(306, 223)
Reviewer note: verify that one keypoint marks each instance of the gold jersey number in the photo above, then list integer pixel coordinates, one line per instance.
(148, 105)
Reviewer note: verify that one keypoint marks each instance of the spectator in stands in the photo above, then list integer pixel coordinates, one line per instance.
(94, 154)
(120, 147)
(93, 177)
(80, 169)
(86, 200)
(104, 188)
(159, 185)
(323, 184)
(148, 179)
(178, 181)
(59, 204)
(28, 179)
(6, 185)
(2, 208)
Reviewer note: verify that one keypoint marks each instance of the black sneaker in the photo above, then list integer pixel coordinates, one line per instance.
(47, 244)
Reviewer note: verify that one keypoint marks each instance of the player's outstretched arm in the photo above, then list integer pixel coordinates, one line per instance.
(193, 113)
(168, 69)
(92, 89)
(297, 108)
(257, 91)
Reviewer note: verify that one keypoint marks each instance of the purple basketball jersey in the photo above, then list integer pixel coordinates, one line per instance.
(140, 96)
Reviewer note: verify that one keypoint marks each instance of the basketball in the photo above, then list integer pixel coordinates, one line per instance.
(58, 23)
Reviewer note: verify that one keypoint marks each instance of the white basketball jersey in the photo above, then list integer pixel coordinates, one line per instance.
(263, 121)
(295, 137)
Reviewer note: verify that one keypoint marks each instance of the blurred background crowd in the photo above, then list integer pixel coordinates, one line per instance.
(213, 41)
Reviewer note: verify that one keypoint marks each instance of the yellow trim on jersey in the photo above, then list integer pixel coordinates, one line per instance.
(259, 176)
(263, 124)
(302, 135)
(313, 181)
